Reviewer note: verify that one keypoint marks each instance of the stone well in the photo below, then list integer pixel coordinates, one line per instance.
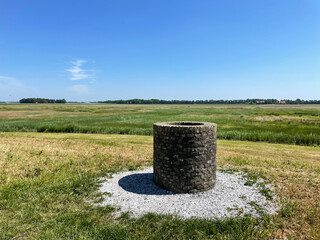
(184, 158)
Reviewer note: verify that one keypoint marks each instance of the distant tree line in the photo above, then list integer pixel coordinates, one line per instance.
(240, 101)
(41, 100)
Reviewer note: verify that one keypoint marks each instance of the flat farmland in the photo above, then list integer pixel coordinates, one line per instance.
(290, 124)
(50, 170)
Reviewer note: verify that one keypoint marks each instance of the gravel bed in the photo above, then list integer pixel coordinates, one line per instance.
(134, 191)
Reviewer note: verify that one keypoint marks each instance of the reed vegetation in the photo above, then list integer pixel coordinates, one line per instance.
(294, 124)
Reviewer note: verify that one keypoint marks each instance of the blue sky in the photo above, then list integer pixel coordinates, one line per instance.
(166, 49)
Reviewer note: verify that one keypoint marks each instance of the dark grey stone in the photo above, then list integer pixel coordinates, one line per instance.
(184, 157)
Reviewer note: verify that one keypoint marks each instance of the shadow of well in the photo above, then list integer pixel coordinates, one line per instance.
(142, 183)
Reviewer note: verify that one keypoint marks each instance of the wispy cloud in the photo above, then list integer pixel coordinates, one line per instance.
(4, 80)
(10, 86)
(12, 82)
(80, 89)
(77, 72)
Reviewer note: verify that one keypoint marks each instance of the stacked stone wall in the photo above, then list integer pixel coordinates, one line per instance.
(185, 156)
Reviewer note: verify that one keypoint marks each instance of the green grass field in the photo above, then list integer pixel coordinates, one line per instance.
(48, 181)
(291, 124)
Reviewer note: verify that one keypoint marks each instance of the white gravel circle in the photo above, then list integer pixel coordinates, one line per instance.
(134, 191)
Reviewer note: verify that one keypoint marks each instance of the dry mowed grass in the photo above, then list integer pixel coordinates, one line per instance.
(22, 155)
(33, 111)
(294, 170)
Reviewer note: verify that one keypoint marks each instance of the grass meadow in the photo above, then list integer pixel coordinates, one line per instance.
(291, 124)
(50, 174)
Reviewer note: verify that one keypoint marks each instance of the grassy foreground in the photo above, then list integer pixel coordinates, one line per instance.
(292, 124)
(47, 182)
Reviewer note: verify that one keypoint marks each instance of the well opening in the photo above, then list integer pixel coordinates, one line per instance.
(187, 123)
(184, 159)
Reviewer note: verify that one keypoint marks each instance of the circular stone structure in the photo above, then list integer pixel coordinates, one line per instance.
(184, 156)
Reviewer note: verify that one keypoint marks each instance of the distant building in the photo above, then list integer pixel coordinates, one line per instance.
(282, 102)
(260, 102)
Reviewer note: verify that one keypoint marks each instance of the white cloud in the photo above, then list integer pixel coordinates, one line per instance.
(77, 72)
(80, 89)
(10, 81)
(13, 89)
